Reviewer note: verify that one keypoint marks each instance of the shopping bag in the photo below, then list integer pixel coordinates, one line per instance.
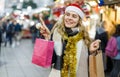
(96, 68)
(42, 53)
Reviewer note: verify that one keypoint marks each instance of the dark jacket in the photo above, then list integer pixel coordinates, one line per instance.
(10, 29)
(104, 39)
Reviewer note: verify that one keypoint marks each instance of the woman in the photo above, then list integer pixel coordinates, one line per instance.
(70, 58)
(116, 60)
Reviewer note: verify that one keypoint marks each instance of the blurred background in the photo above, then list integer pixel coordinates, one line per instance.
(26, 12)
(18, 21)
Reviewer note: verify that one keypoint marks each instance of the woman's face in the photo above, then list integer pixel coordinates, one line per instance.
(71, 19)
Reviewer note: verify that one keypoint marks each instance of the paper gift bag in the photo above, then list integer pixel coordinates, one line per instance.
(96, 67)
(42, 53)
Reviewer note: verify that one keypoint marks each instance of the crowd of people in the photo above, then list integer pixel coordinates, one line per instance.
(11, 30)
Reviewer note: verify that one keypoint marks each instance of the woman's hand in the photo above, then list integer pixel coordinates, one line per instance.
(43, 29)
(94, 46)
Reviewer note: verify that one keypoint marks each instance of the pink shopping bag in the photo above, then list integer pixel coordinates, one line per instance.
(42, 53)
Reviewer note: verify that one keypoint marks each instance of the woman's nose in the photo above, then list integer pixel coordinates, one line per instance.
(70, 17)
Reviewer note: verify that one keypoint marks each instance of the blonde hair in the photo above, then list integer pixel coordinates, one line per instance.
(61, 29)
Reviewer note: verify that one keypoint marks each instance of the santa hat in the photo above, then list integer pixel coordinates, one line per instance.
(76, 8)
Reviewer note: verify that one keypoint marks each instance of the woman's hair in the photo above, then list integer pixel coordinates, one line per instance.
(61, 29)
(117, 32)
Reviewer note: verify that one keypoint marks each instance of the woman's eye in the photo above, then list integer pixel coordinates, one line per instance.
(75, 16)
(67, 14)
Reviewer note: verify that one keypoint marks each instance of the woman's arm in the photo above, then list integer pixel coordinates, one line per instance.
(44, 30)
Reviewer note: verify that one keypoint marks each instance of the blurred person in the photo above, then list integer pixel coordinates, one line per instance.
(17, 31)
(72, 43)
(102, 34)
(45, 15)
(4, 25)
(33, 31)
(116, 60)
(9, 32)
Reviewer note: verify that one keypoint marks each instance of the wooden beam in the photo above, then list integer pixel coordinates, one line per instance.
(109, 2)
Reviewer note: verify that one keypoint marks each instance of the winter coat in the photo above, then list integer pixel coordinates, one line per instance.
(82, 57)
(103, 36)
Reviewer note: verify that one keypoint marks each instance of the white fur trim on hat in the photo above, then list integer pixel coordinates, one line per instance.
(75, 9)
